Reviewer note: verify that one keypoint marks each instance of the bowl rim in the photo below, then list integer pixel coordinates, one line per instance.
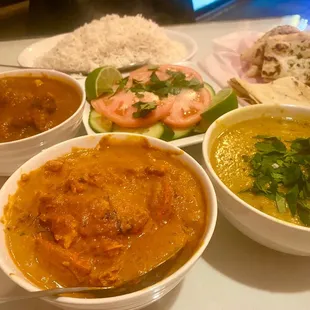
(49, 73)
(212, 212)
(206, 145)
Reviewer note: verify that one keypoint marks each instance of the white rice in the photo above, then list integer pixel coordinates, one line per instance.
(112, 40)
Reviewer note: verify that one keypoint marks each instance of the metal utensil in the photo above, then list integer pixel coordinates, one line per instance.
(102, 291)
(130, 67)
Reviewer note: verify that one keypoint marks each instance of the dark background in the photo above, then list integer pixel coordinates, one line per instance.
(21, 19)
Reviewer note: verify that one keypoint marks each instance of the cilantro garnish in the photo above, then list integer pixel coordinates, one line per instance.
(173, 85)
(122, 83)
(282, 174)
(143, 108)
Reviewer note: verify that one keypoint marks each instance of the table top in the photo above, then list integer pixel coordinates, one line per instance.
(234, 273)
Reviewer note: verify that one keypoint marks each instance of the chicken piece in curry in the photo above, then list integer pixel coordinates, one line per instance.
(104, 216)
(30, 105)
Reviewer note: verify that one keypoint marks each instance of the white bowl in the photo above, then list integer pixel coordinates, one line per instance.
(13, 154)
(265, 229)
(130, 301)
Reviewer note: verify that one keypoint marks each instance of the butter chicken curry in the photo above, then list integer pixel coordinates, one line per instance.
(104, 216)
(30, 105)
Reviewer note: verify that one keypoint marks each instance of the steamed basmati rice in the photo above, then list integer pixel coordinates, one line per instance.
(112, 40)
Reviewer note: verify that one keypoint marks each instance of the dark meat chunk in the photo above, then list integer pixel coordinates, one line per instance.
(132, 220)
(99, 219)
(63, 227)
(100, 246)
(22, 121)
(54, 165)
(40, 120)
(160, 203)
(24, 177)
(105, 278)
(156, 171)
(62, 261)
(75, 186)
(46, 103)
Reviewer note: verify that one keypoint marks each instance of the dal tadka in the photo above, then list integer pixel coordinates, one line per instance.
(104, 216)
(266, 162)
(30, 105)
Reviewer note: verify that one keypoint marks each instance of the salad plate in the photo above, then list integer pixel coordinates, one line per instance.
(182, 141)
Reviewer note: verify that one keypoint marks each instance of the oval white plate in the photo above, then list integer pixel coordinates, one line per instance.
(180, 142)
(28, 56)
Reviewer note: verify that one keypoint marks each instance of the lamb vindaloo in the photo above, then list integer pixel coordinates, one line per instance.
(102, 216)
(30, 105)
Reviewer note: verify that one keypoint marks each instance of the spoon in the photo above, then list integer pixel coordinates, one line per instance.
(128, 68)
(107, 291)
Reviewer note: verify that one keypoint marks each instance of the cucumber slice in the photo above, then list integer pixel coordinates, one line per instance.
(155, 131)
(98, 122)
(181, 133)
(201, 127)
(210, 89)
(168, 133)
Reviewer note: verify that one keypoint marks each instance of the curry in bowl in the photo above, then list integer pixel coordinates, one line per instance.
(33, 104)
(103, 216)
(266, 162)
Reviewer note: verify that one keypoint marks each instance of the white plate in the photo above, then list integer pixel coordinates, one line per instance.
(28, 56)
(180, 142)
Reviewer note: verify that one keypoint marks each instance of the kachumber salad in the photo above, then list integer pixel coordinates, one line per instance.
(167, 102)
(266, 162)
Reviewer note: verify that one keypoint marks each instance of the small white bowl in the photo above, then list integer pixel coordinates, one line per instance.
(130, 301)
(13, 154)
(265, 229)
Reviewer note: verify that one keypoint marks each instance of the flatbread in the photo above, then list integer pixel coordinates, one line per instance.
(254, 56)
(287, 90)
(287, 55)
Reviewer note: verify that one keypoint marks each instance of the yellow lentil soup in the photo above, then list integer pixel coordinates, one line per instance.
(266, 162)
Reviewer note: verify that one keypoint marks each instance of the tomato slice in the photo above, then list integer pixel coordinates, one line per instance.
(119, 108)
(188, 106)
(179, 111)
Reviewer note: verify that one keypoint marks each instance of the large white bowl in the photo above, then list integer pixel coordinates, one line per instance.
(265, 229)
(13, 154)
(130, 301)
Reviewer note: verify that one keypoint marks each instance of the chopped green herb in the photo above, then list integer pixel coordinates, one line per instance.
(301, 145)
(291, 174)
(139, 95)
(282, 174)
(121, 84)
(173, 85)
(291, 198)
(270, 145)
(143, 108)
(265, 137)
(303, 211)
(281, 203)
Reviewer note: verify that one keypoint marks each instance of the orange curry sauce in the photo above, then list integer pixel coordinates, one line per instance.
(104, 216)
(31, 105)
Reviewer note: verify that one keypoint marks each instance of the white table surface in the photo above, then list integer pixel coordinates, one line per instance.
(234, 273)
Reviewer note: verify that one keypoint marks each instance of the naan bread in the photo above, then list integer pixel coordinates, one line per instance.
(287, 90)
(254, 56)
(287, 55)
